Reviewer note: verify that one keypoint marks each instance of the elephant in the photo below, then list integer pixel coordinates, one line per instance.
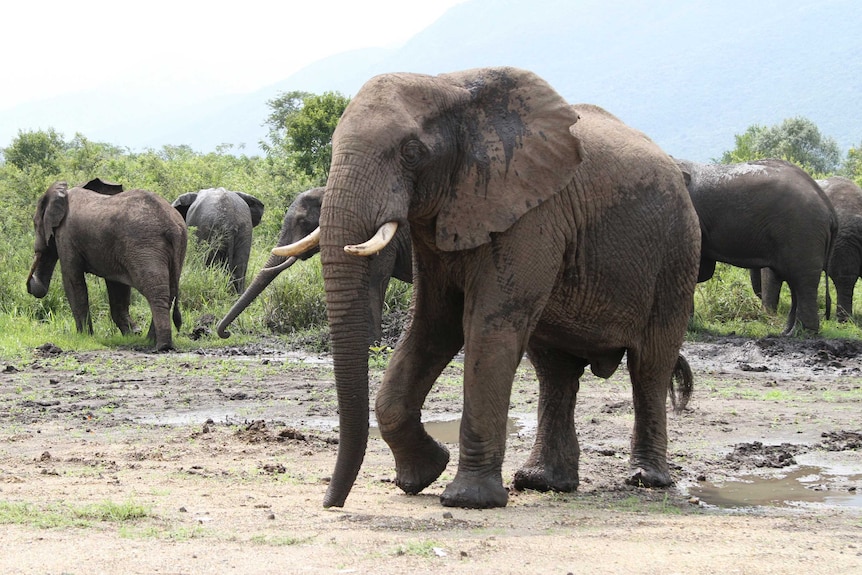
(133, 239)
(536, 227)
(765, 214)
(224, 222)
(300, 221)
(845, 265)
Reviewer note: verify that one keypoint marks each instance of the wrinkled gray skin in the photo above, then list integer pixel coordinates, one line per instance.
(224, 221)
(845, 267)
(302, 218)
(133, 239)
(765, 214)
(537, 227)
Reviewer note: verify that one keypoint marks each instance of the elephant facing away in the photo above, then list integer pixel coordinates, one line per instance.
(765, 214)
(301, 220)
(224, 222)
(845, 267)
(536, 227)
(132, 239)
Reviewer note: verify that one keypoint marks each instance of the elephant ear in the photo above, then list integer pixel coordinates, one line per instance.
(102, 187)
(53, 210)
(255, 205)
(519, 152)
(184, 202)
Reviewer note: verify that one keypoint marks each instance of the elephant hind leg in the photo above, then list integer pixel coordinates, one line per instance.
(119, 300)
(553, 461)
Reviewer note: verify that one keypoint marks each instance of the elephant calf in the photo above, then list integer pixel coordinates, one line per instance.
(845, 266)
(224, 221)
(132, 239)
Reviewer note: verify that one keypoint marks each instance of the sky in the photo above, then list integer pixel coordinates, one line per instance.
(51, 47)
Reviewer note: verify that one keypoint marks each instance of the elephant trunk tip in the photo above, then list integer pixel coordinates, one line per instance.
(221, 329)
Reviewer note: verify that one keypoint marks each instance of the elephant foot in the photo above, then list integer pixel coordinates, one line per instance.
(423, 466)
(539, 478)
(474, 492)
(649, 476)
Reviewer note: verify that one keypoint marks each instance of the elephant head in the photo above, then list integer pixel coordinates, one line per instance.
(51, 210)
(300, 221)
(460, 157)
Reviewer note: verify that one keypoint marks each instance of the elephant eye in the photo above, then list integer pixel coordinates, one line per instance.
(412, 153)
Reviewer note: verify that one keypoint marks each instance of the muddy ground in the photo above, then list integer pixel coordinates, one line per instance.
(225, 456)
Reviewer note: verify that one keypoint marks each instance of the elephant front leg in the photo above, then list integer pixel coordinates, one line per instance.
(553, 462)
(420, 356)
(489, 368)
(75, 286)
(119, 300)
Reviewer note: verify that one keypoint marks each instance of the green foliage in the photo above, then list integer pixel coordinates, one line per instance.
(853, 164)
(300, 131)
(796, 140)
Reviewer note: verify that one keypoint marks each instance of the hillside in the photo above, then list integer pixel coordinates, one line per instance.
(689, 74)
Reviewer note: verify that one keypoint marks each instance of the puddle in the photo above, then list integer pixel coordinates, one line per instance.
(826, 479)
(448, 430)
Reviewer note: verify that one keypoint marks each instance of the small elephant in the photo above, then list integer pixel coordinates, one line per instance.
(224, 221)
(536, 227)
(300, 221)
(765, 214)
(132, 239)
(845, 267)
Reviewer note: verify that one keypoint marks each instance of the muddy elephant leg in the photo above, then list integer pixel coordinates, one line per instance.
(160, 307)
(844, 288)
(75, 286)
(650, 375)
(553, 462)
(430, 342)
(119, 300)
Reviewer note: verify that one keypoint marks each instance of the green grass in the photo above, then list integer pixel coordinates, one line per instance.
(65, 515)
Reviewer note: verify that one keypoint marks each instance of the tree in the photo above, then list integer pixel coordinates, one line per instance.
(852, 167)
(301, 127)
(42, 149)
(796, 140)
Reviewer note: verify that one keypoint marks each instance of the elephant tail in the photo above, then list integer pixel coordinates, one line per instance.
(681, 384)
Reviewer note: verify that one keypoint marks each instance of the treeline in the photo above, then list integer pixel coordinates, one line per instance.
(297, 156)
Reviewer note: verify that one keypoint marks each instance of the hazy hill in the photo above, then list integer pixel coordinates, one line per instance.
(689, 73)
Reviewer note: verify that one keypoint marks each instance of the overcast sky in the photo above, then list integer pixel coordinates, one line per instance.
(51, 46)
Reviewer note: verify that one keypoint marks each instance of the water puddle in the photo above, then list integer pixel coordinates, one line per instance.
(448, 430)
(830, 479)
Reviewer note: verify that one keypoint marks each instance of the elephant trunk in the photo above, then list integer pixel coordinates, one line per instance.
(346, 280)
(272, 268)
(40, 274)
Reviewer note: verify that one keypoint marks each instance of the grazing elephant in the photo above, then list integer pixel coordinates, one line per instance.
(133, 239)
(224, 221)
(301, 221)
(765, 214)
(536, 226)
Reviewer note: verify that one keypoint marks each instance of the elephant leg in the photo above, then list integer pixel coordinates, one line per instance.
(754, 275)
(650, 373)
(771, 289)
(119, 300)
(706, 270)
(553, 462)
(430, 342)
(803, 309)
(160, 308)
(75, 286)
(489, 369)
(844, 289)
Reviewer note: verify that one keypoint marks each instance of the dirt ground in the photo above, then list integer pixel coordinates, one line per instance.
(227, 454)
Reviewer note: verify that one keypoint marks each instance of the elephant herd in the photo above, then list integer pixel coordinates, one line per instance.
(527, 225)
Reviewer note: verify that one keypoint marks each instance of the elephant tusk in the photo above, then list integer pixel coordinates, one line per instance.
(299, 247)
(280, 267)
(383, 236)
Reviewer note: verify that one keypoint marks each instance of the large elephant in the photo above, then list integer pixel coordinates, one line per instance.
(132, 239)
(845, 267)
(301, 221)
(224, 222)
(536, 226)
(765, 214)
